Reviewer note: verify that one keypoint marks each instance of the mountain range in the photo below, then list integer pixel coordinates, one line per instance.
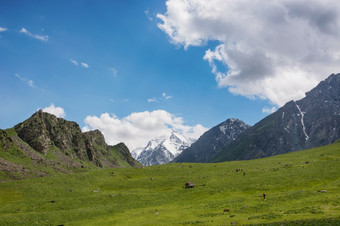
(310, 122)
(45, 144)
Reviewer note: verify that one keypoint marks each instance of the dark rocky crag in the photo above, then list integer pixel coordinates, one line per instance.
(44, 143)
(212, 141)
(310, 122)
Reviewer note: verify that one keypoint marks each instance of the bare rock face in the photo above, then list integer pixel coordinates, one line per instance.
(95, 145)
(45, 133)
(212, 141)
(43, 130)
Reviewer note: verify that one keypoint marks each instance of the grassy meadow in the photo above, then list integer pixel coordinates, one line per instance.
(301, 188)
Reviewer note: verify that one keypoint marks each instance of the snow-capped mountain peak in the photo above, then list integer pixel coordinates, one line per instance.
(163, 149)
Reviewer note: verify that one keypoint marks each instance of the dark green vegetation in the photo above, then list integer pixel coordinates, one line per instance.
(44, 145)
(301, 188)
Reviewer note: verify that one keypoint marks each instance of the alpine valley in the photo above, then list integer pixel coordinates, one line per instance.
(53, 174)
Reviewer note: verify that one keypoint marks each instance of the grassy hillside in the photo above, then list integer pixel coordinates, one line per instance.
(18, 160)
(156, 195)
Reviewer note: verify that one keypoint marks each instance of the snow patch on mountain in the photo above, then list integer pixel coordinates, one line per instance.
(135, 153)
(302, 122)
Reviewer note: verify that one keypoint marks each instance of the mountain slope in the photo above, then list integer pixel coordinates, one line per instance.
(310, 122)
(45, 144)
(212, 141)
(162, 150)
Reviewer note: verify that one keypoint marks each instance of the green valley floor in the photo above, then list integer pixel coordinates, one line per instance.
(301, 188)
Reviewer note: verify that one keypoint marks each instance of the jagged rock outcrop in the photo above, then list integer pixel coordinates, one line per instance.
(43, 130)
(310, 122)
(212, 141)
(125, 155)
(44, 142)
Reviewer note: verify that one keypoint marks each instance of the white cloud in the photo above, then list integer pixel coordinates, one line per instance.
(39, 37)
(269, 110)
(275, 50)
(27, 81)
(147, 14)
(166, 96)
(85, 65)
(153, 99)
(136, 129)
(156, 99)
(114, 71)
(57, 111)
(2, 29)
(74, 62)
(30, 83)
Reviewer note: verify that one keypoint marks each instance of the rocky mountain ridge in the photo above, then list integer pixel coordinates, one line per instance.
(212, 141)
(310, 122)
(56, 144)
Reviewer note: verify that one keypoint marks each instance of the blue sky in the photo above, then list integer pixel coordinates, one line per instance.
(96, 57)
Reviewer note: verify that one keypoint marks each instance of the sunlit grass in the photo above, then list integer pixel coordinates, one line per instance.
(156, 195)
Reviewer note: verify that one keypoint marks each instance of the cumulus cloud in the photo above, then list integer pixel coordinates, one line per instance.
(2, 29)
(156, 99)
(136, 129)
(269, 110)
(57, 111)
(275, 50)
(38, 37)
(27, 81)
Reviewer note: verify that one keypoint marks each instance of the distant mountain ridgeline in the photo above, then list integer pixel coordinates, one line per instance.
(45, 144)
(310, 122)
(212, 141)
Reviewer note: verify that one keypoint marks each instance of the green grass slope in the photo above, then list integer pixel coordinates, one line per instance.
(19, 161)
(156, 195)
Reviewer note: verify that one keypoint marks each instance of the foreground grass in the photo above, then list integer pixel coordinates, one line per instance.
(156, 195)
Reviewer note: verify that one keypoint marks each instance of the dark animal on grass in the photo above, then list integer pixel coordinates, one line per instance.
(264, 195)
(189, 184)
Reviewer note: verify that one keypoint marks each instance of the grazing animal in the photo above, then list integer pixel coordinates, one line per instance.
(226, 210)
(264, 195)
(189, 185)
